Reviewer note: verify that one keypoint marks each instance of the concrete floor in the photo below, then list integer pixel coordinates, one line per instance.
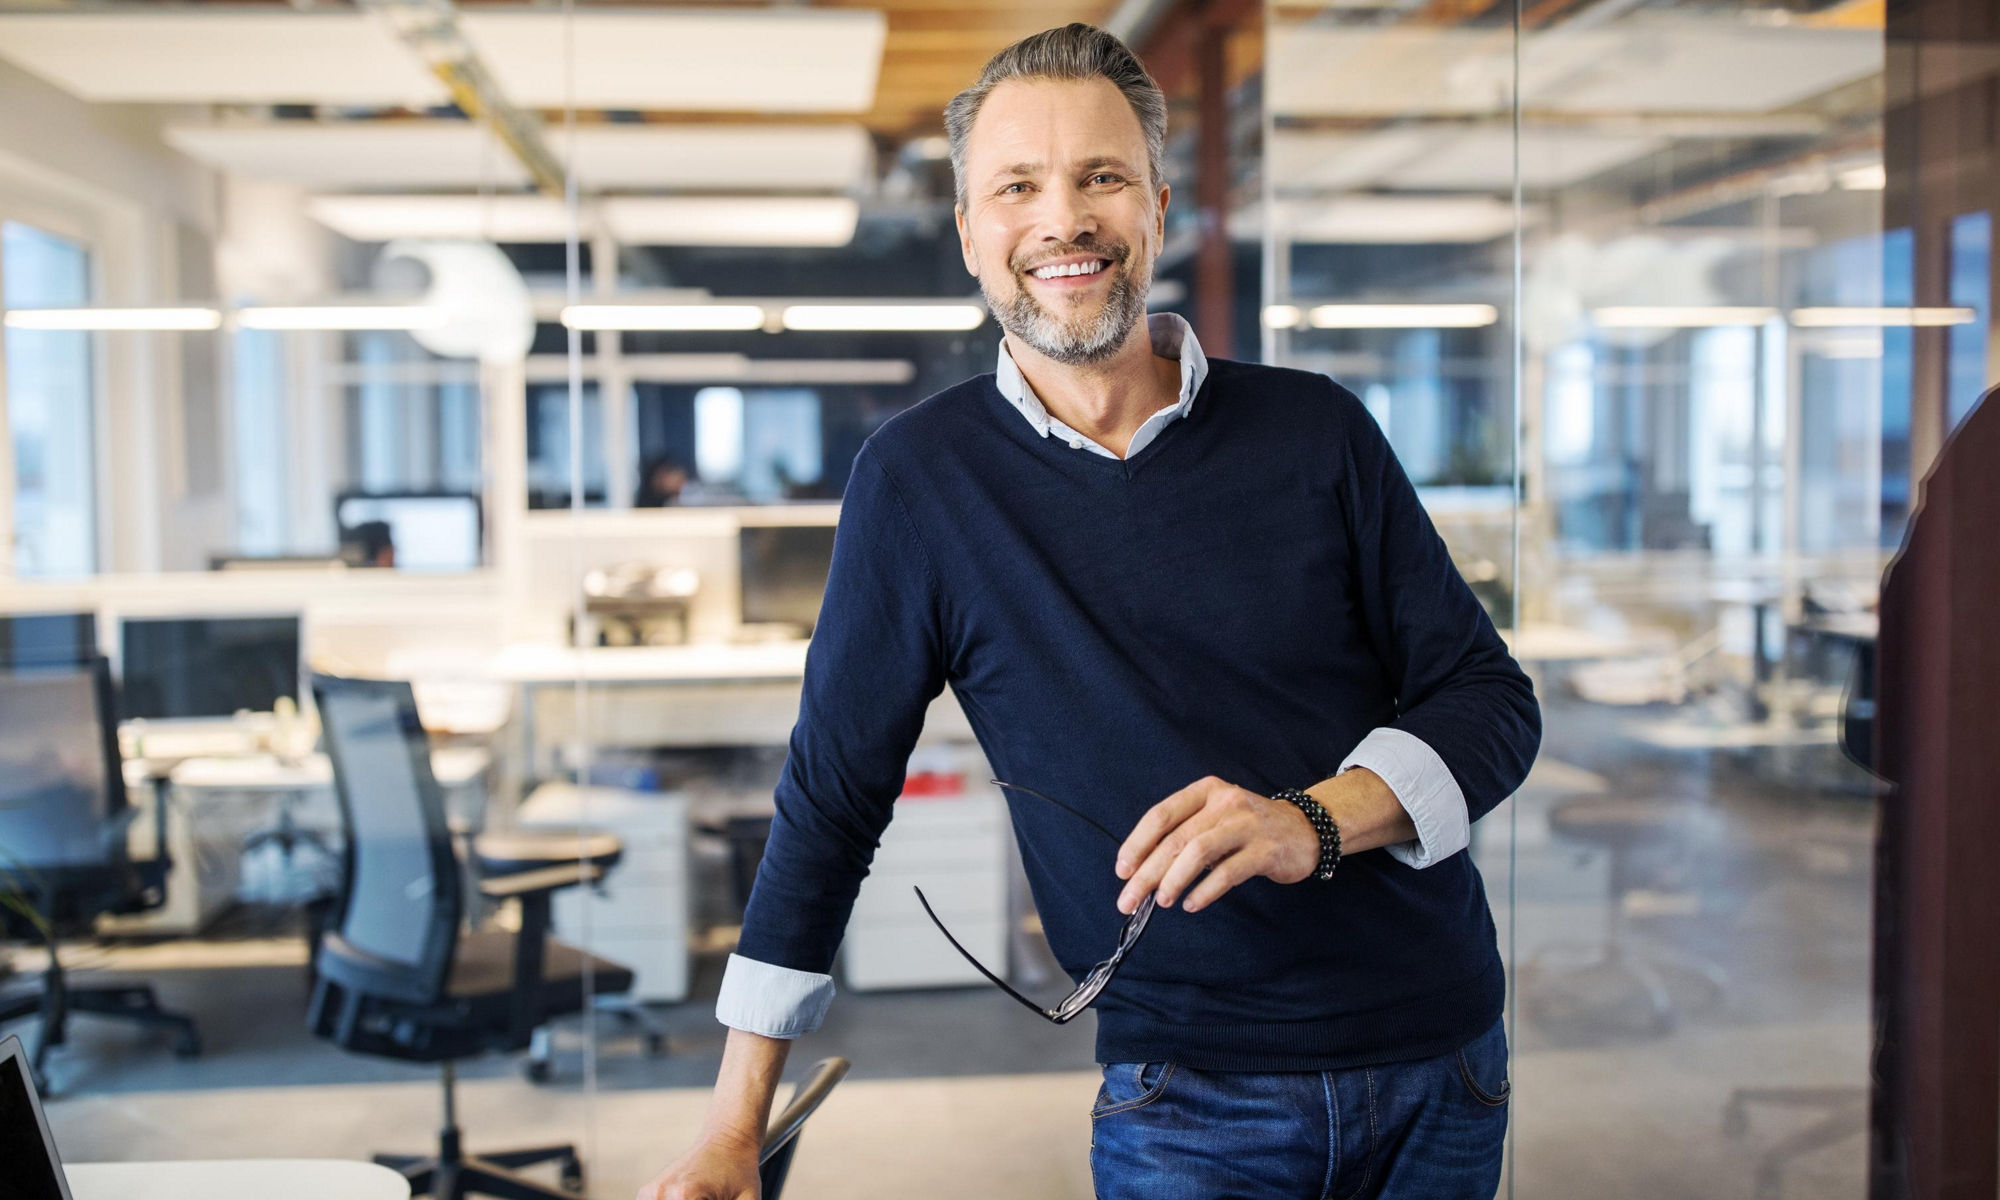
(960, 1093)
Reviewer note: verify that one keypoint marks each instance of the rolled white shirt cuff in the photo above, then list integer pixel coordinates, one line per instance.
(777, 1002)
(1426, 790)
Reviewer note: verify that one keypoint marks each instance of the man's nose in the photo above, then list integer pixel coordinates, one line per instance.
(1065, 215)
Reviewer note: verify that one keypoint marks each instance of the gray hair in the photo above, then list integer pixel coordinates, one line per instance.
(1075, 52)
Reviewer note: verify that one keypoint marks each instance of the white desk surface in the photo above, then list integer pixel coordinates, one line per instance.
(1568, 643)
(454, 766)
(241, 1179)
(543, 663)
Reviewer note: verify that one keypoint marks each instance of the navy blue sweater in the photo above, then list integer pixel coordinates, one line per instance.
(1247, 597)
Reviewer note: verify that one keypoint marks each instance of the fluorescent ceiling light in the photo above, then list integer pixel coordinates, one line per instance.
(1386, 220)
(341, 317)
(335, 155)
(1402, 316)
(416, 155)
(114, 318)
(633, 220)
(783, 59)
(211, 55)
(1809, 318)
(731, 220)
(910, 317)
(701, 317)
(1873, 177)
(1681, 316)
(1283, 316)
(1684, 64)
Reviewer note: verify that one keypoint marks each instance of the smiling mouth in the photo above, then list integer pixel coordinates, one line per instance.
(1072, 269)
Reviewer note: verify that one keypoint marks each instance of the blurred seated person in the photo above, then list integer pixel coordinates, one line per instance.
(368, 544)
(661, 482)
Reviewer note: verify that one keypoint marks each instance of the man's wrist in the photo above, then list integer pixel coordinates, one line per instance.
(1325, 831)
(1366, 809)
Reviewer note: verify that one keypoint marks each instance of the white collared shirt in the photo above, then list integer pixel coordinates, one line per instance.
(1172, 338)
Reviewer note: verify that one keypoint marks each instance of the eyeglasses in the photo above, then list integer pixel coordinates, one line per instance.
(1099, 975)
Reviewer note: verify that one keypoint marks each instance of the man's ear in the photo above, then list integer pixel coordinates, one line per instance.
(965, 248)
(1160, 216)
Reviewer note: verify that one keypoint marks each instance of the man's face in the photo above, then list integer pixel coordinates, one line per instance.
(1061, 221)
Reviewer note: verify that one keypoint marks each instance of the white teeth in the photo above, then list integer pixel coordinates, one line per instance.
(1083, 268)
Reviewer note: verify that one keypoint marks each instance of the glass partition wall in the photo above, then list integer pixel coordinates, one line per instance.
(1614, 278)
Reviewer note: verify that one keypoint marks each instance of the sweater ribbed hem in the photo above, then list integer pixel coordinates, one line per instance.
(1422, 1028)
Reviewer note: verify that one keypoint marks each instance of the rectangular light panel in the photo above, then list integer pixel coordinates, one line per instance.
(633, 220)
(790, 59)
(215, 56)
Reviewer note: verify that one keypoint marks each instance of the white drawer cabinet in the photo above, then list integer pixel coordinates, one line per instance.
(955, 848)
(638, 917)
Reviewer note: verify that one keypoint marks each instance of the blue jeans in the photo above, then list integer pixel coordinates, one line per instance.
(1430, 1129)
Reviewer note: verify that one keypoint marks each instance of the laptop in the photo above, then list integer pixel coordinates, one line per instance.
(33, 1169)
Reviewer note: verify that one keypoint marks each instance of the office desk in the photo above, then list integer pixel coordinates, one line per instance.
(239, 1179)
(715, 694)
(218, 802)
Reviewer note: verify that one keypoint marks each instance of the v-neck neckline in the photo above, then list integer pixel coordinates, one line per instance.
(1012, 418)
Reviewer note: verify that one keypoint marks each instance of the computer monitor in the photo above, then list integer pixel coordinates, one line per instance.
(60, 639)
(428, 531)
(783, 571)
(179, 667)
(59, 776)
(34, 1170)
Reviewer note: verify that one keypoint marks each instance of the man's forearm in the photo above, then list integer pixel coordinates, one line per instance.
(740, 1109)
(1366, 809)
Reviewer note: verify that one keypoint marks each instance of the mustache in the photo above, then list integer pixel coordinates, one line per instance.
(1117, 252)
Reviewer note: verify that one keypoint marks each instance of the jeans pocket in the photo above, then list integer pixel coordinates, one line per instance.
(1131, 1085)
(1482, 1066)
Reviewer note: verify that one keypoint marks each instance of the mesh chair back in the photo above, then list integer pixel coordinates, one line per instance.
(401, 903)
(62, 786)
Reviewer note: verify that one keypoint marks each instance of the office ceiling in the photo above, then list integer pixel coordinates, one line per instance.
(893, 64)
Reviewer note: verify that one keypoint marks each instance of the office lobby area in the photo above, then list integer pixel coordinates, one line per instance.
(469, 554)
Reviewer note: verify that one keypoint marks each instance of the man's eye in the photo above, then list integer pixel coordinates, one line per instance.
(1010, 189)
(1106, 177)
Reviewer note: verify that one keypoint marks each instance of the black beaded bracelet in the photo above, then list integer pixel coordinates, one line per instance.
(1323, 825)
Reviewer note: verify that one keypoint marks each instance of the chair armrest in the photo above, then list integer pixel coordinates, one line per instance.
(547, 879)
(806, 1099)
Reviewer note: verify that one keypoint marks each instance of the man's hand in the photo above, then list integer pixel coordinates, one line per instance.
(723, 1163)
(1230, 832)
(717, 1168)
(1235, 834)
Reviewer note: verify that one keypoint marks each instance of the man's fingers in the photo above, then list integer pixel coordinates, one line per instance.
(1200, 853)
(1147, 878)
(1159, 821)
(1223, 876)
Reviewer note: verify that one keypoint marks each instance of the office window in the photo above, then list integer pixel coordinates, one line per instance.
(1971, 287)
(549, 446)
(50, 406)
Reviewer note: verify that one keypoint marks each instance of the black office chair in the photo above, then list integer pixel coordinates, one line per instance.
(781, 1139)
(65, 825)
(399, 976)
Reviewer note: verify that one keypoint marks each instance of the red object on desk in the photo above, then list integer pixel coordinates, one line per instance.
(933, 785)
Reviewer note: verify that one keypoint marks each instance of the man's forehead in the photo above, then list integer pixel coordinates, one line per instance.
(1084, 119)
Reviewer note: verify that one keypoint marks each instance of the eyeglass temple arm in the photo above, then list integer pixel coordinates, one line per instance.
(976, 964)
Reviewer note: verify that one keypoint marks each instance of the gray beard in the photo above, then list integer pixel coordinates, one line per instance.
(1077, 343)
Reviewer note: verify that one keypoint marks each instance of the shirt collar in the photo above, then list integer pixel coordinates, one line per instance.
(1172, 337)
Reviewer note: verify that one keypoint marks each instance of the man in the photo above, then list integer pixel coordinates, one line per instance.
(1145, 574)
